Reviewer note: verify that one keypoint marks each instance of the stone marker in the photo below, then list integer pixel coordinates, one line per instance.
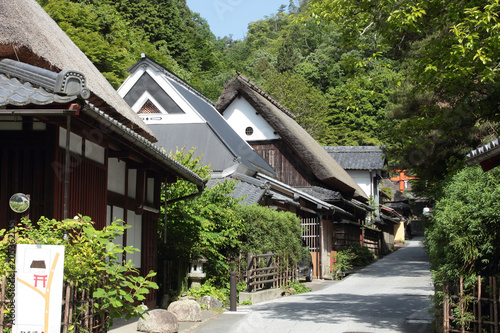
(160, 321)
(187, 310)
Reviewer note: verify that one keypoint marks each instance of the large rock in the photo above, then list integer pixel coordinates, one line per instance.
(210, 302)
(158, 320)
(187, 310)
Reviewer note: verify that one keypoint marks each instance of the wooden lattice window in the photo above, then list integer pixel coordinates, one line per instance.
(149, 108)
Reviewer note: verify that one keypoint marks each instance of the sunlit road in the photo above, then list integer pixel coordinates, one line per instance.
(391, 295)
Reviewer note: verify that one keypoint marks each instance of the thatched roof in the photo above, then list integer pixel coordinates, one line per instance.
(321, 164)
(29, 35)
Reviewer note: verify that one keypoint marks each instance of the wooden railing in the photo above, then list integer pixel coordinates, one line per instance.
(472, 310)
(262, 271)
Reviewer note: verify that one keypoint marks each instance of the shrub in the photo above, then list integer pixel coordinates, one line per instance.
(268, 230)
(207, 289)
(363, 255)
(463, 234)
(296, 287)
(90, 258)
(342, 262)
(205, 226)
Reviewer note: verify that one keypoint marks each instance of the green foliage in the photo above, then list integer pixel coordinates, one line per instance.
(246, 302)
(447, 97)
(306, 102)
(363, 256)
(296, 287)
(241, 286)
(268, 230)
(304, 66)
(207, 289)
(113, 34)
(206, 226)
(463, 237)
(342, 261)
(91, 258)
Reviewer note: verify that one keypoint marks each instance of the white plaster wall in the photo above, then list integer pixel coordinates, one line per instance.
(134, 237)
(132, 183)
(11, 124)
(240, 115)
(94, 152)
(362, 178)
(75, 141)
(115, 213)
(116, 175)
(150, 195)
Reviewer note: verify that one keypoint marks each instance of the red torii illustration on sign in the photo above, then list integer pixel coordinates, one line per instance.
(402, 178)
(46, 294)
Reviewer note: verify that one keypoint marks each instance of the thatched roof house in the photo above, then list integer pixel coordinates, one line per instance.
(71, 142)
(319, 163)
(29, 35)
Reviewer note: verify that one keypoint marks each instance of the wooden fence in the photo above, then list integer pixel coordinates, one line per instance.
(266, 271)
(473, 310)
(261, 271)
(79, 313)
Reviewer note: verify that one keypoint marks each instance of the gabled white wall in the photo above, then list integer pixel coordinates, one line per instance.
(240, 115)
(190, 116)
(362, 178)
(365, 180)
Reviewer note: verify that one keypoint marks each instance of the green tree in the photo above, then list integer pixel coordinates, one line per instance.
(357, 108)
(463, 235)
(206, 226)
(301, 98)
(449, 98)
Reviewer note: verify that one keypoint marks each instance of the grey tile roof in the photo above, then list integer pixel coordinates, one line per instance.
(250, 189)
(198, 136)
(14, 92)
(357, 157)
(484, 152)
(322, 193)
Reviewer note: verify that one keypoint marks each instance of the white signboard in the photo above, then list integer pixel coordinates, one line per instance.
(39, 286)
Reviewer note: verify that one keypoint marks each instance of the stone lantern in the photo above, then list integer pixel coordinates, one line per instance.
(196, 274)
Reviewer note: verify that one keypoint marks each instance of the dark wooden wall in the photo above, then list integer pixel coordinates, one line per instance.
(289, 168)
(149, 252)
(87, 189)
(25, 166)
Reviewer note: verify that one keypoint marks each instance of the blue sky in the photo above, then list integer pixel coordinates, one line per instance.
(227, 17)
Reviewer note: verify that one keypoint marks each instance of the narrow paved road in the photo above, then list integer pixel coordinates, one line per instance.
(391, 295)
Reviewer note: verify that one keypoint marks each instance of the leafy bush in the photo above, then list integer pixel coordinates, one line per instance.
(296, 287)
(463, 234)
(363, 255)
(207, 289)
(268, 230)
(91, 258)
(343, 261)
